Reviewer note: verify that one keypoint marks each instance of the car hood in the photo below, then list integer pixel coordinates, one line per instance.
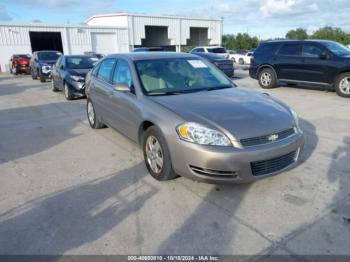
(239, 111)
(79, 72)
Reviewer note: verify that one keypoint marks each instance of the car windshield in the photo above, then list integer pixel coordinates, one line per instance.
(337, 48)
(81, 62)
(22, 56)
(179, 75)
(218, 50)
(49, 56)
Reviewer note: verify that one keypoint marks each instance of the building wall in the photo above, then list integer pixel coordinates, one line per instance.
(178, 27)
(75, 39)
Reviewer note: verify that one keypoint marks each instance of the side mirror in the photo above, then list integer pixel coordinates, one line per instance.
(122, 87)
(62, 67)
(324, 55)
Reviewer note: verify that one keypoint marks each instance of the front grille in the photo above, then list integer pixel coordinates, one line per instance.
(260, 140)
(225, 65)
(261, 168)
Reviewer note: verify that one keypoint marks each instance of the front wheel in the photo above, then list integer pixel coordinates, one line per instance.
(267, 78)
(156, 155)
(342, 85)
(94, 121)
(67, 92)
(53, 87)
(241, 61)
(34, 75)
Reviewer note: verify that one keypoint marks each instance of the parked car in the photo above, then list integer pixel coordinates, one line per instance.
(19, 64)
(242, 59)
(41, 63)
(225, 65)
(94, 54)
(150, 49)
(321, 62)
(190, 119)
(68, 75)
(211, 49)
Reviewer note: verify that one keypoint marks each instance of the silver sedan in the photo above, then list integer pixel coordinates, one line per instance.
(191, 120)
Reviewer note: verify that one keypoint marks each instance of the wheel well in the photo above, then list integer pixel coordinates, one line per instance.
(143, 127)
(265, 67)
(342, 72)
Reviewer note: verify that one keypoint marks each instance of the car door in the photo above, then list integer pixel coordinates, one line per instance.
(101, 88)
(316, 65)
(288, 61)
(126, 115)
(61, 71)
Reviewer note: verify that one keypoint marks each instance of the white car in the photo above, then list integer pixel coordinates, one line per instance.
(218, 50)
(242, 59)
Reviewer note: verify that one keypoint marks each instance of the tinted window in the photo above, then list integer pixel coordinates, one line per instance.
(311, 50)
(290, 49)
(106, 68)
(122, 73)
(337, 48)
(267, 48)
(179, 75)
(81, 62)
(218, 50)
(49, 56)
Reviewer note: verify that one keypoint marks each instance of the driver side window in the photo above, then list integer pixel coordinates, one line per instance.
(311, 51)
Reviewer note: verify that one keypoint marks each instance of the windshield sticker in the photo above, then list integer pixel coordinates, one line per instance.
(197, 64)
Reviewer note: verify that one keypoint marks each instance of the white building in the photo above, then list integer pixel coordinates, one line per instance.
(166, 31)
(112, 33)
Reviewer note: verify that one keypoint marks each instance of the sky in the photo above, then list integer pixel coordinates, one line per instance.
(261, 18)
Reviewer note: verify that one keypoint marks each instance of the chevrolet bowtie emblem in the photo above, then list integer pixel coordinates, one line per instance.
(273, 138)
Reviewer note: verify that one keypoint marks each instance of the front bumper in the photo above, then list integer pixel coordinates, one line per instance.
(77, 88)
(233, 164)
(23, 69)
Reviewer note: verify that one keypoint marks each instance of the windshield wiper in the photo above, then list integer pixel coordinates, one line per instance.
(178, 92)
(217, 88)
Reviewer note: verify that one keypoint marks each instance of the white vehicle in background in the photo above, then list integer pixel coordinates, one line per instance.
(218, 50)
(241, 58)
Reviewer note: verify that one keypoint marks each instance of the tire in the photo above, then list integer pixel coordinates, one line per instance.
(53, 87)
(34, 76)
(267, 78)
(241, 61)
(42, 79)
(67, 92)
(342, 85)
(153, 136)
(93, 119)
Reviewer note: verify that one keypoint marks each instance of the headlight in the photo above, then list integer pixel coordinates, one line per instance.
(296, 118)
(77, 78)
(196, 133)
(46, 69)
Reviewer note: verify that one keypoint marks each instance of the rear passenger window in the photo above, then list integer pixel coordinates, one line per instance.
(267, 49)
(311, 51)
(106, 68)
(290, 49)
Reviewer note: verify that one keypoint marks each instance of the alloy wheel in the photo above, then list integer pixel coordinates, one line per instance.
(344, 85)
(266, 79)
(154, 154)
(91, 113)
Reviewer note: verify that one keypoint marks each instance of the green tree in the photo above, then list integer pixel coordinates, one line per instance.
(298, 34)
(332, 33)
(239, 41)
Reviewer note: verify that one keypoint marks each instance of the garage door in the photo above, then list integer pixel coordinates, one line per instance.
(104, 43)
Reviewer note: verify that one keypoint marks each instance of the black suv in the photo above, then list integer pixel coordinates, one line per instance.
(321, 62)
(41, 64)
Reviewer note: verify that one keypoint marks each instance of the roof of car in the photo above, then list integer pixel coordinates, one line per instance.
(209, 56)
(295, 40)
(153, 55)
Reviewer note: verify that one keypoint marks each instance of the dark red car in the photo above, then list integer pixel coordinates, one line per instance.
(19, 64)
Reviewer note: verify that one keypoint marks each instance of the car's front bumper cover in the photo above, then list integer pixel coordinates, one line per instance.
(232, 164)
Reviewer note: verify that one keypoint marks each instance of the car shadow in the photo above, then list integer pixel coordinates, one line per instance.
(57, 223)
(306, 86)
(208, 231)
(29, 130)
